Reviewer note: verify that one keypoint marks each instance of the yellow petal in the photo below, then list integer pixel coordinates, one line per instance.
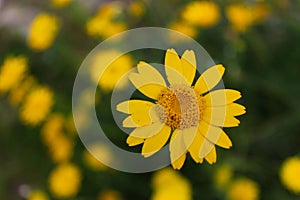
(219, 116)
(188, 64)
(148, 80)
(147, 87)
(235, 109)
(205, 148)
(147, 131)
(140, 117)
(177, 164)
(212, 156)
(133, 141)
(194, 149)
(209, 79)
(211, 133)
(177, 149)
(173, 68)
(153, 114)
(132, 106)
(224, 141)
(129, 122)
(221, 97)
(214, 115)
(156, 142)
(172, 60)
(151, 73)
(137, 119)
(189, 135)
(215, 135)
(229, 122)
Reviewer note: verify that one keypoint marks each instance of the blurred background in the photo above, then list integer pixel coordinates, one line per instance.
(42, 45)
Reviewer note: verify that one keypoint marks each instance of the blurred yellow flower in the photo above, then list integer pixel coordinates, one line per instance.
(260, 12)
(60, 3)
(290, 174)
(12, 71)
(222, 176)
(65, 180)
(42, 31)
(136, 8)
(110, 9)
(18, 94)
(164, 176)
(104, 23)
(70, 126)
(243, 189)
(169, 184)
(202, 13)
(37, 195)
(109, 195)
(114, 71)
(37, 105)
(184, 28)
(114, 28)
(98, 149)
(96, 26)
(61, 150)
(93, 162)
(60, 146)
(52, 128)
(102, 27)
(240, 17)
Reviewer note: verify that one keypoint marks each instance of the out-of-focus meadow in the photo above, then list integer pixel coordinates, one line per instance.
(42, 45)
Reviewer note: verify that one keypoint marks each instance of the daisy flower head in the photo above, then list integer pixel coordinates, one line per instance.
(114, 71)
(109, 194)
(240, 17)
(107, 21)
(223, 176)
(37, 105)
(290, 174)
(243, 189)
(190, 115)
(65, 180)
(12, 72)
(169, 184)
(60, 3)
(37, 195)
(201, 13)
(42, 31)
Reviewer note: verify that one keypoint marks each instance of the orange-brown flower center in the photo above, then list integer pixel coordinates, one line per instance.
(179, 107)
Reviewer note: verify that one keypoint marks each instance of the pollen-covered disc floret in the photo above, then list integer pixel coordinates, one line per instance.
(178, 107)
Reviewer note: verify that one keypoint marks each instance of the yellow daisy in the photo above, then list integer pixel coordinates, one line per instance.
(290, 174)
(192, 115)
(37, 195)
(169, 184)
(12, 72)
(109, 194)
(222, 176)
(201, 13)
(243, 189)
(107, 21)
(240, 17)
(60, 3)
(65, 180)
(42, 31)
(184, 28)
(37, 105)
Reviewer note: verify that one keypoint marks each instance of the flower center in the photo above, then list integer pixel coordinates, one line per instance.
(179, 107)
